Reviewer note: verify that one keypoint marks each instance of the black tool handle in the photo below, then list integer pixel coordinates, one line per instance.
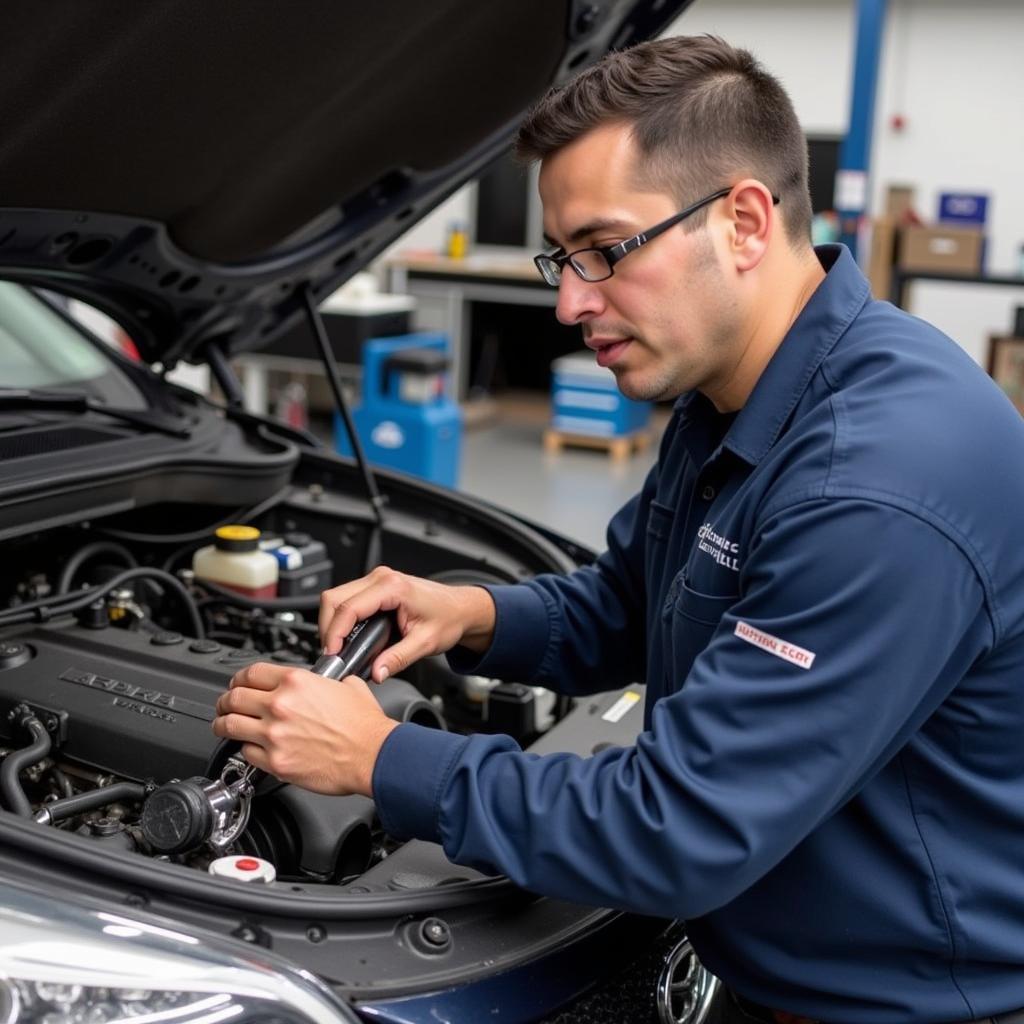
(367, 639)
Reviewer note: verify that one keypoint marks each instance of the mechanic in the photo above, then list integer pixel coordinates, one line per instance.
(821, 583)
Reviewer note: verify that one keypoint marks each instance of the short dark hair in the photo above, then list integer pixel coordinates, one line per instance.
(702, 113)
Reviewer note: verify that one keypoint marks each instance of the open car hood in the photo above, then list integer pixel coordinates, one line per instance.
(193, 168)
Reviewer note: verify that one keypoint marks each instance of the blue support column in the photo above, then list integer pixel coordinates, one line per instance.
(855, 152)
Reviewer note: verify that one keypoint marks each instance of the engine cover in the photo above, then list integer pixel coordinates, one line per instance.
(129, 703)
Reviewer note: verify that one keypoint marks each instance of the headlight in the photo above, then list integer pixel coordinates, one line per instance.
(71, 962)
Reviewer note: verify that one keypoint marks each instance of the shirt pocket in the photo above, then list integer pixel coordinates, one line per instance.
(690, 622)
(706, 609)
(659, 521)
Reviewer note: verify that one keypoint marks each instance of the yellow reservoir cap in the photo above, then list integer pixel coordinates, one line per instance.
(235, 532)
(237, 538)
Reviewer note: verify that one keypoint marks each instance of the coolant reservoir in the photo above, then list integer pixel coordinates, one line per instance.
(235, 560)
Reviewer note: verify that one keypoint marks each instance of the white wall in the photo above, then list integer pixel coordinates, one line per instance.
(955, 73)
(807, 44)
(952, 69)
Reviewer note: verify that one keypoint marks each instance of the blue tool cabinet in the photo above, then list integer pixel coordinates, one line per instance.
(407, 419)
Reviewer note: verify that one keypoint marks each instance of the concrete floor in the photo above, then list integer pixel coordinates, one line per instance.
(574, 491)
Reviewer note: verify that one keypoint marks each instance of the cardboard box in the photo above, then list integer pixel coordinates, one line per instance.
(882, 256)
(943, 249)
(1006, 366)
(899, 201)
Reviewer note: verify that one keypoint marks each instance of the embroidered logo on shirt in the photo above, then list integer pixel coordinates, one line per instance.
(721, 549)
(773, 645)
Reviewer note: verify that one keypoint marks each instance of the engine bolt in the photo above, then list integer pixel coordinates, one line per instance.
(246, 934)
(315, 933)
(435, 932)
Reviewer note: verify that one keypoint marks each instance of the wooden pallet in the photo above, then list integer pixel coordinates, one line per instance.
(619, 447)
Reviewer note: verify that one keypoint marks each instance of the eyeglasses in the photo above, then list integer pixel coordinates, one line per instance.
(597, 263)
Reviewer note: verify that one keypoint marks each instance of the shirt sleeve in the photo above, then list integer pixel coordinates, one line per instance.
(578, 633)
(755, 749)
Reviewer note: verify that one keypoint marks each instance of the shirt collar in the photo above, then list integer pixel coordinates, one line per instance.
(817, 328)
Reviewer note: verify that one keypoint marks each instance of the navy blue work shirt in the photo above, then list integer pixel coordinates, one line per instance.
(825, 598)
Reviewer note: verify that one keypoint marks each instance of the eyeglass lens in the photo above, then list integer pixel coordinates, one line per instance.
(590, 264)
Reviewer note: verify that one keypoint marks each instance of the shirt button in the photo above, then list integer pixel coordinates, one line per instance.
(708, 493)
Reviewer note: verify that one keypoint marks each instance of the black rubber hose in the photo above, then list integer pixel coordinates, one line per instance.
(47, 608)
(82, 555)
(242, 515)
(69, 806)
(63, 782)
(18, 760)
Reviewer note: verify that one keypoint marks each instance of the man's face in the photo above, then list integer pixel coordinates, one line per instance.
(665, 322)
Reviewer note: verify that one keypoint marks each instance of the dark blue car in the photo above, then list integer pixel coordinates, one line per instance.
(206, 174)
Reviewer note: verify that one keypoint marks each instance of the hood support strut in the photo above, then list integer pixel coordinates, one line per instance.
(224, 376)
(316, 323)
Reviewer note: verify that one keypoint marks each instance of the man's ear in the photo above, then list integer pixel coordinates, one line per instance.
(751, 209)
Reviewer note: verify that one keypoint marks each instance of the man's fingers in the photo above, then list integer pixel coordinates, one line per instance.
(256, 756)
(341, 608)
(337, 625)
(242, 700)
(260, 675)
(238, 727)
(361, 607)
(400, 656)
(333, 602)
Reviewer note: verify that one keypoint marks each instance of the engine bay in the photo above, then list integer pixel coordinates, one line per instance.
(112, 656)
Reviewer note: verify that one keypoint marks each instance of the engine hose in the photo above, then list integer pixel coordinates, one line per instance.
(69, 806)
(83, 555)
(242, 515)
(17, 761)
(65, 604)
(63, 782)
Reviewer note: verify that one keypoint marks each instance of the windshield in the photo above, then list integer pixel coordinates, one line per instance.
(40, 349)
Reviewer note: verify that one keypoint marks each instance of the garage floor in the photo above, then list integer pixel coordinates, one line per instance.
(575, 491)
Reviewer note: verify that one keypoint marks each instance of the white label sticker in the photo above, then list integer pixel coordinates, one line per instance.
(942, 246)
(851, 190)
(773, 645)
(621, 707)
(387, 434)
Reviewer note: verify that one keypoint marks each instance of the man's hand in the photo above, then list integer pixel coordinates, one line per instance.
(322, 734)
(432, 617)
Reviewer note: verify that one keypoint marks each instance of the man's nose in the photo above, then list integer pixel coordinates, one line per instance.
(578, 300)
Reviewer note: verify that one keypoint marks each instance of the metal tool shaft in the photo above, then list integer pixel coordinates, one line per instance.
(360, 647)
